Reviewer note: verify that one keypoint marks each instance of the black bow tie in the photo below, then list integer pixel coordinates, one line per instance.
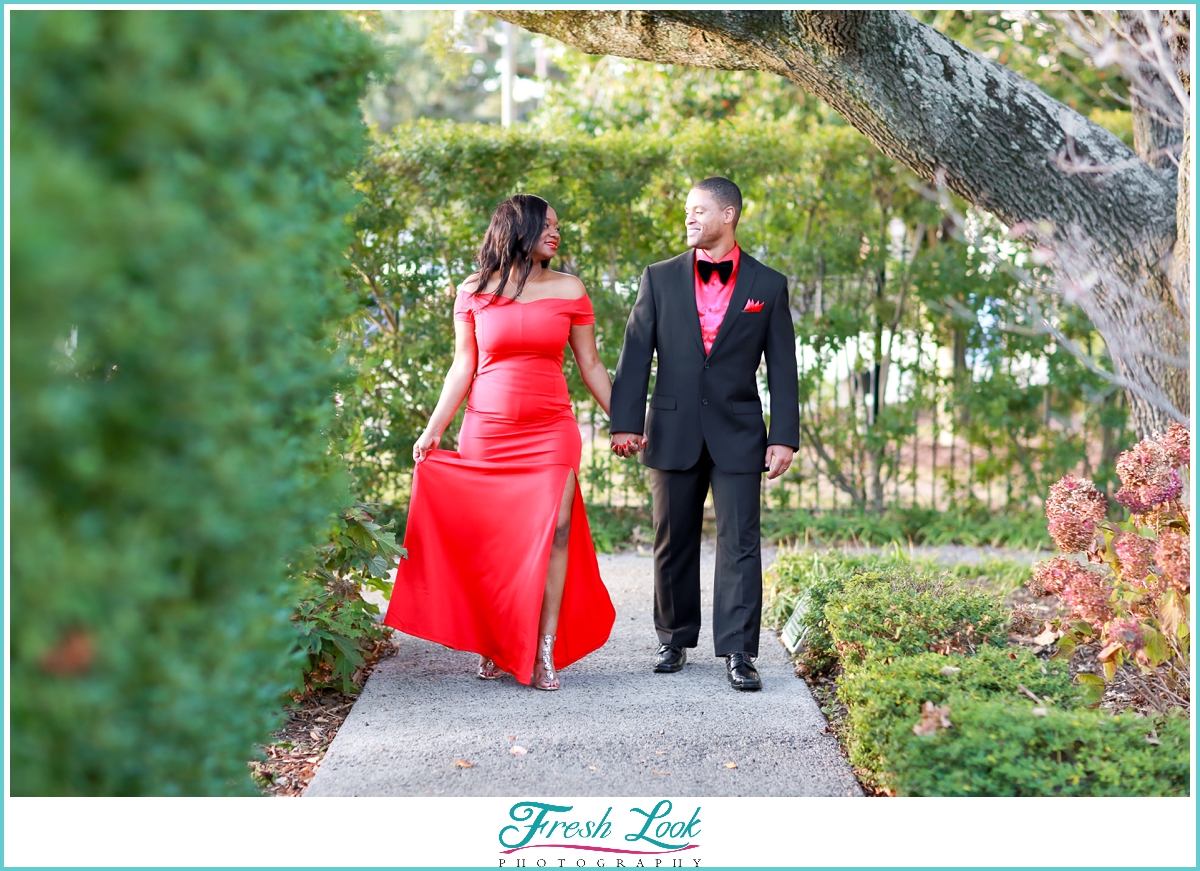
(705, 268)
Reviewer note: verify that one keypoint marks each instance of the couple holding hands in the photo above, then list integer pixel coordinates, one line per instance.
(500, 558)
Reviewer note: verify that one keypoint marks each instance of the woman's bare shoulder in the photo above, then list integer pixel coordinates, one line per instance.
(469, 283)
(567, 286)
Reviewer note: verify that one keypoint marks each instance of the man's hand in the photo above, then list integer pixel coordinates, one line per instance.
(626, 444)
(779, 457)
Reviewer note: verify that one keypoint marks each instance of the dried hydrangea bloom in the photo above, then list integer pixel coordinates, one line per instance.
(1051, 577)
(1087, 593)
(1177, 442)
(1173, 559)
(1157, 517)
(1073, 509)
(1135, 554)
(1128, 632)
(1084, 591)
(1148, 477)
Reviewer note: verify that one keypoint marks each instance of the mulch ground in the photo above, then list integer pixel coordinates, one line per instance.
(296, 751)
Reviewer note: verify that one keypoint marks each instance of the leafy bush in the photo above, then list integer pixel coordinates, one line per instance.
(1001, 748)
(337, 625)
(831, 527)
(907, 526)
(618, 526)
(884, 699)
(1001, 576)
(800, 585)
(880, 615)
(178, 208)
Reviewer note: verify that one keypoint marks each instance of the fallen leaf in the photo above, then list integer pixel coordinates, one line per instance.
(517, 750)
(462, 763)
(1048, 635)
(73, 655)
(933, 717)
(950, 670)
(1109, 651)
(731, 765)
(512, 737)
(1039, 711)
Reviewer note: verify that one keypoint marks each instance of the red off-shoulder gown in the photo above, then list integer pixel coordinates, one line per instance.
(481, 521)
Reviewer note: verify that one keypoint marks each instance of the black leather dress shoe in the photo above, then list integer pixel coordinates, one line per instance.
(742, 675)
(670, 659)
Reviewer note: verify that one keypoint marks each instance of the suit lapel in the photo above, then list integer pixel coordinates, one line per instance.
(687, 283)
(741, 292)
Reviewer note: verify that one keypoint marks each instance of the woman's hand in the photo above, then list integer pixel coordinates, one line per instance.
(423, 445)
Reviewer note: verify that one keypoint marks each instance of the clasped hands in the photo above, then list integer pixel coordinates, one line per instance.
(776, 462)
(626, 444)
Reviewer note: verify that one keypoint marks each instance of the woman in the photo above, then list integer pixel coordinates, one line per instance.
(500, 558)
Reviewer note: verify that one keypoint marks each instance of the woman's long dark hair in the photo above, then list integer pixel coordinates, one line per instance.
(508, 245)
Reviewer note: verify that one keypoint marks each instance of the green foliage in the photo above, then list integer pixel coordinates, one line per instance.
(879, 616)
(899, 525)
(999, 575)
(614, 527)
(598, 94)
(800, 585)
(884, 699)
(178, 208)
(337, 625)
(1000, 748)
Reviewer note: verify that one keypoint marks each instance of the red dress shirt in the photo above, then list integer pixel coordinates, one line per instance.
(712, 297)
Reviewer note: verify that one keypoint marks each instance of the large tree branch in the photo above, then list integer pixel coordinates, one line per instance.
(952, 116)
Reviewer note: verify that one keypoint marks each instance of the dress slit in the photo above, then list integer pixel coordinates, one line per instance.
(477, 576)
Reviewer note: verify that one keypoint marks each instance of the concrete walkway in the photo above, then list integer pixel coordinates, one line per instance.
(614, 729)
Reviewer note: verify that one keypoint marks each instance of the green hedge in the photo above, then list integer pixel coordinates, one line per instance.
(905, 637)
(879, 616)
(801, 583)
(884, 700)
(178, 203)
(1000, 748)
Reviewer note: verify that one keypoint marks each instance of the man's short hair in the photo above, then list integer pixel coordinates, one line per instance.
(725, 192)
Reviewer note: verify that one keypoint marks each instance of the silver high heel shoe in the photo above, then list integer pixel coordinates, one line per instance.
(487, 669)
(549, 680)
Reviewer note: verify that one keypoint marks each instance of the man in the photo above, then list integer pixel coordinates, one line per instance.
(710, 314)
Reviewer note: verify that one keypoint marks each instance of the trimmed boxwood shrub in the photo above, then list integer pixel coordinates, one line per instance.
(178, 217)
(884, 699)
(879, 616)
(802, 583)
(1000, 748)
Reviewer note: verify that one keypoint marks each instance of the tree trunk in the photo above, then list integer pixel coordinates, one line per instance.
(960, 120)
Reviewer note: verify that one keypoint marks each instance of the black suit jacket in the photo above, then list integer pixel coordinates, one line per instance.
(711, 398)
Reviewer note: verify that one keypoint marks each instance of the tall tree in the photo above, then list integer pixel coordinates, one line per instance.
(1102, 214)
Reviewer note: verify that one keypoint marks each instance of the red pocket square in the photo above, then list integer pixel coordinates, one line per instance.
(753, 305)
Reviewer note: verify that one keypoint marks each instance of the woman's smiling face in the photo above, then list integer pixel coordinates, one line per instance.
(547, 244)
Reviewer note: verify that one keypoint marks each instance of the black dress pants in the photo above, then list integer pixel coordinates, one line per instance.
(678, 498)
